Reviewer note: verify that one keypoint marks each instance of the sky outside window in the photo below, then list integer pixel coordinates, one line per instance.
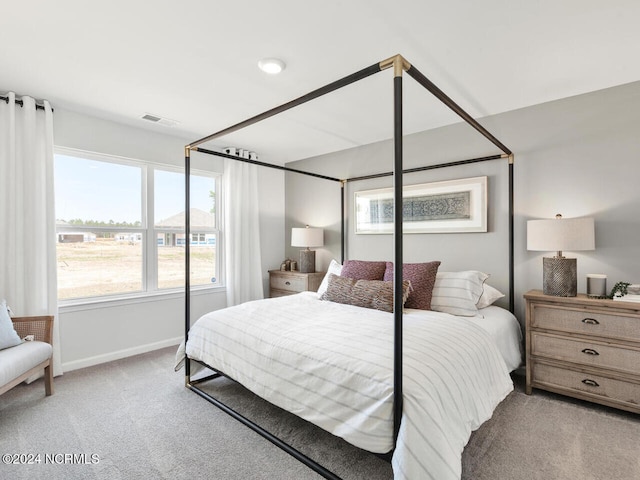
(169, 194)
(103, 191)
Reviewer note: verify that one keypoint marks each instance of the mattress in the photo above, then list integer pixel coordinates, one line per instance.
(332, 364)
(505, 331)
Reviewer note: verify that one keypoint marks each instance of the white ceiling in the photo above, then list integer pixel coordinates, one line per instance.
(195, 61)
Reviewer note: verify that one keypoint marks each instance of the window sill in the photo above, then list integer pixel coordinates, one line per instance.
(78, 305)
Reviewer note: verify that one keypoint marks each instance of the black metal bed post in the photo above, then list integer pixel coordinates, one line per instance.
(343, 232)
(263, 164)
(430, 167)
(511, 239)
(187, 259)
(399, 64)
(398, 261)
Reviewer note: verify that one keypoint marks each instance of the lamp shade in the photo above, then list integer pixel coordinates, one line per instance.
(560, 234)
(307, 237)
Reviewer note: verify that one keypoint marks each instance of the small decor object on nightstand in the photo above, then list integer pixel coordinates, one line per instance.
(560, 277)
(596, 285)
(625, 291)
(307, 237)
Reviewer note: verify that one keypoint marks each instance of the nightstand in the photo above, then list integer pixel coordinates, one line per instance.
(283, 282)
(585, 348)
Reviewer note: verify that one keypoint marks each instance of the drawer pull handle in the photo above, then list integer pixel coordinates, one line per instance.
(590, 321)
(591, 383)
(590, 351)
(287, 283)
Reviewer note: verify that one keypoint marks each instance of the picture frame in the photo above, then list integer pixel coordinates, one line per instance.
(450, 206)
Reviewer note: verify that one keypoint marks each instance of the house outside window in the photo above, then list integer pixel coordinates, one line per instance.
(121, 227)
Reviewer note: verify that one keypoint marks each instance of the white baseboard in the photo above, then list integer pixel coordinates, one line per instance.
(117, 355)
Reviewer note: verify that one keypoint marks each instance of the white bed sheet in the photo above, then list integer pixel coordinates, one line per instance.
(505, 331)
(332, 365)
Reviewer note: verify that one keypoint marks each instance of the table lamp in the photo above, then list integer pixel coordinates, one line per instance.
(307, 237)
(559, 273)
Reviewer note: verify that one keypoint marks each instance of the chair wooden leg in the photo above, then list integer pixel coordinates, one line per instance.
(48, 380)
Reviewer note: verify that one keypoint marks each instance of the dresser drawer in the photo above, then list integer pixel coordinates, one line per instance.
(596, 387)
(586, 322)
(584, 352)
(291, 283)
(280, 293)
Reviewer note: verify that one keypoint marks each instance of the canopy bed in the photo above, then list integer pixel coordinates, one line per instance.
(376, 413)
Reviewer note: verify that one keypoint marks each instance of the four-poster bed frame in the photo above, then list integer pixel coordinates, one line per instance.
(399, 65)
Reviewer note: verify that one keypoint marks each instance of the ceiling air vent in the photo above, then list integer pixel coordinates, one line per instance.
(159, 120)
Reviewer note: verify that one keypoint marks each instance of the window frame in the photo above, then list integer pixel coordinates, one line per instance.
(148, 230)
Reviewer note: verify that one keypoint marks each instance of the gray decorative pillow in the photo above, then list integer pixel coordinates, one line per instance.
(375, 294)
(8, 335)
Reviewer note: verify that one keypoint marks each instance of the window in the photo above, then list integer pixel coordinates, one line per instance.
(169, 229)
(120, 226)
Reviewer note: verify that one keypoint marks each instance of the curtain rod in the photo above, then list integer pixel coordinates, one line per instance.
(263, 164)
(20, 102)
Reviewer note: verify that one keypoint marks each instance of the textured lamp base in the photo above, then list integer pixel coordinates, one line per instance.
(560, 277)
(307, 261)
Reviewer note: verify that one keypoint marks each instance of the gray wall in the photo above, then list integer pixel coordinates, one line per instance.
(577, 156)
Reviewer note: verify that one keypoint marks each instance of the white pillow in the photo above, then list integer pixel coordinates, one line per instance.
(8, 335)
(489, 295)
(458, 293)
(336, 269)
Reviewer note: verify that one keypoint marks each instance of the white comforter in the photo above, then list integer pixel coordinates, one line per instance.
(332, 365)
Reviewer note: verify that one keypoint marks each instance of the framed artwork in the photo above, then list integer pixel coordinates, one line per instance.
(437, 207)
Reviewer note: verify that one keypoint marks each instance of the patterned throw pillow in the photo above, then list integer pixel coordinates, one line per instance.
(376, 294)
(422, 277)
(363, 270)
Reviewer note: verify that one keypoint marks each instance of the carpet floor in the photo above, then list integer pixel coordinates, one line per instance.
(133, 418)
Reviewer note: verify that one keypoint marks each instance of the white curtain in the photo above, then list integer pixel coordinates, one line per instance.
(242, 233)
(28, 278)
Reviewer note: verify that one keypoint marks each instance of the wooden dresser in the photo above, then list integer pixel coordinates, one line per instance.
(584, 347)
(287, 283)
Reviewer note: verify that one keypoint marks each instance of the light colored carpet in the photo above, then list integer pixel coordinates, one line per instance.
(140, 421)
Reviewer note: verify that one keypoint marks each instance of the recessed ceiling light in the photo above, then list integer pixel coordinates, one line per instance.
(271, 65)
